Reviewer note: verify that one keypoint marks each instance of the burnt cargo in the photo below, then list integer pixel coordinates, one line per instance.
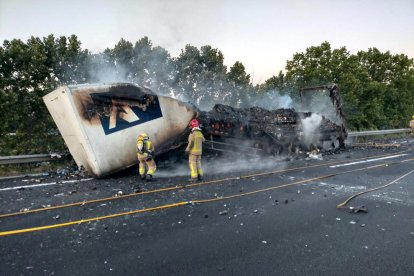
(274, 132)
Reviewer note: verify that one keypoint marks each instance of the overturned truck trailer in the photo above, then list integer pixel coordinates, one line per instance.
(100, 124)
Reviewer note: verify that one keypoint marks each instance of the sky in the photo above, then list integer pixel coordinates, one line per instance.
(262, 34)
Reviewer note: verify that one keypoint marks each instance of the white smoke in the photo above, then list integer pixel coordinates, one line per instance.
(320, 103)
(101, 71)
(226, 165)
(273, 100)
(310, 129)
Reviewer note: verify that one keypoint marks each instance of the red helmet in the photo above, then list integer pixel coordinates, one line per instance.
(194, 123)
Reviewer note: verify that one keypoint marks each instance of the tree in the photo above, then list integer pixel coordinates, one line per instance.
(239, 83)
(201, 75)
(29, 71)
(371, 82)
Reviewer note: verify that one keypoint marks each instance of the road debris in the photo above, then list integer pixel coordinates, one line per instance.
(354, 210)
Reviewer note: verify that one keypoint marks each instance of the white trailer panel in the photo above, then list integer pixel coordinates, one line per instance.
(100, 123)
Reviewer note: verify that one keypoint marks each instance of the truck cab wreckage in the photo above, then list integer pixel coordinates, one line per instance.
(100, 125)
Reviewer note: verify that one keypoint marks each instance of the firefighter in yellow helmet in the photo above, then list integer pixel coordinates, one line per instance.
(194, 150)
(145, 155)
(412, 125)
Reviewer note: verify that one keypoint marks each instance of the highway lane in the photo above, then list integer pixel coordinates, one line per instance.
(264, 228)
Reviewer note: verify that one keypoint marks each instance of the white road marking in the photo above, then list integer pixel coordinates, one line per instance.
(344, 188)
(44, 184)
(366, 161)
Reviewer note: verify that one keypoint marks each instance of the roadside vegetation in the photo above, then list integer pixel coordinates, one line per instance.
(377, 87)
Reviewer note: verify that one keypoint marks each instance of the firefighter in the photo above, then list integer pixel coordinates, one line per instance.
(145, 151)
(412, 125)
(194, 150)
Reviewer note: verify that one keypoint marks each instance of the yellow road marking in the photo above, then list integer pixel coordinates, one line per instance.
(81, 203)
(33, 229)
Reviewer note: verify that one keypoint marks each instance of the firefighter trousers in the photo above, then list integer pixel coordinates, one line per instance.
(143, 164)
(194, 162)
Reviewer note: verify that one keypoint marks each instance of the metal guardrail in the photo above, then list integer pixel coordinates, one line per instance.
(378, 132)
(21, 159)
(33, 158)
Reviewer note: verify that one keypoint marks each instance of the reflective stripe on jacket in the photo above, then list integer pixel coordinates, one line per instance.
(195, 142)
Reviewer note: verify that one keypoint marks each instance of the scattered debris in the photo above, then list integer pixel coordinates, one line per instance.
(354, 210)
(222, 213)
(272, 132)
(314, 155)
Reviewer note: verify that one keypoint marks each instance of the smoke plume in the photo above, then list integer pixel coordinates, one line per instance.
(310, 128)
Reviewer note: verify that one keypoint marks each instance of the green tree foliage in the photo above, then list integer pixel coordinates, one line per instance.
(141, 63)
(239, 82)
(376, 87)
(275, 83)
(200, 76)
(28, 72)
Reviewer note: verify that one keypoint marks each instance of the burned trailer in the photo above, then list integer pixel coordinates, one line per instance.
(269, 132)
(273, 131)
(326, 101)
(100, 123)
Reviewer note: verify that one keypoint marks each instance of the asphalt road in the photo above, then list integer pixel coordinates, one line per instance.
(248, 217)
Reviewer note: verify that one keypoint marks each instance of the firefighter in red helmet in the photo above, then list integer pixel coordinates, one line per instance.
(145, 155)
(194, 150)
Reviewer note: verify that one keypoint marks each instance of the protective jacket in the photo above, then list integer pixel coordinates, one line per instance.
(145, 149)
(195, 142)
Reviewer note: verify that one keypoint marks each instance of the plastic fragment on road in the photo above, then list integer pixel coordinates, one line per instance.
(354, 210)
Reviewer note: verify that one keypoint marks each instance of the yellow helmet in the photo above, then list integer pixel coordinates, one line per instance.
(143, 136)
(412, 117)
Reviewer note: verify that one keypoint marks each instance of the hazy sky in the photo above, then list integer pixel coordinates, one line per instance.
(262, 34)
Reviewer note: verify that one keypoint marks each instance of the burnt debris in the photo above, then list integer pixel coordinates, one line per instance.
(274, 131)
